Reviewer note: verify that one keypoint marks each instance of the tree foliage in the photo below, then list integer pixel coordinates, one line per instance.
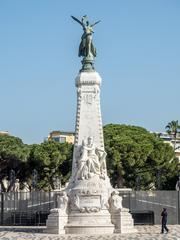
(48, 158)
(173, 128)
(13, 155)
(135, 156)
(51, 159)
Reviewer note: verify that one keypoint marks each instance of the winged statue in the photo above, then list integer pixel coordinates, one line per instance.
(86, 47)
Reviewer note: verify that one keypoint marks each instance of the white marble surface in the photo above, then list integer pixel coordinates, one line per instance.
(91, 205)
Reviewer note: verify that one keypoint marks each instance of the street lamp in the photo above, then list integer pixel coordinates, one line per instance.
(158, 176)
(138, 183)
(178, 185)
(34, 179)
(12, 179)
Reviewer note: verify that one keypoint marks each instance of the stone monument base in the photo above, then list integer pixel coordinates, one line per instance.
(56, 221)
(123, 221)
(89, 223)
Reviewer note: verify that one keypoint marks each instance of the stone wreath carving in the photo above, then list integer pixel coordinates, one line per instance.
(89, 210)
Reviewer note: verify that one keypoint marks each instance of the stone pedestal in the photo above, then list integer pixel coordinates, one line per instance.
(89, 188)
(91, 204)
(89, 223)
(88, 207)
(56, 221)
(123, 221)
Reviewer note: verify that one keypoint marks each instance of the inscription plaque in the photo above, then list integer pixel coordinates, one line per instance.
(89, 201)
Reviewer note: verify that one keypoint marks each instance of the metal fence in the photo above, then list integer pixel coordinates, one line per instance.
(32, 208)
(148, 205)
(26, 208)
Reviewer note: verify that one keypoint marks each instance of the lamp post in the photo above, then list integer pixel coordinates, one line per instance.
(34, 179)
(138, 183)
(178, 185)
(12, 179)
(158, 177)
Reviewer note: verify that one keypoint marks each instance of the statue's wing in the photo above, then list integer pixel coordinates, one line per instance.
(92, 25)
(77, 20)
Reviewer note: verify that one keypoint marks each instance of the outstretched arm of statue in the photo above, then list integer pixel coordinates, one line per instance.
(92, 25)
(77, 20)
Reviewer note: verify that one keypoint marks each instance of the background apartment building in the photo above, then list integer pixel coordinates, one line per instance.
(4, 133)
(175, 143)
(62, 137)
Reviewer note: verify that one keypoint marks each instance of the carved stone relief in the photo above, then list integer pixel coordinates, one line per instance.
(115, 202)
(91, 161)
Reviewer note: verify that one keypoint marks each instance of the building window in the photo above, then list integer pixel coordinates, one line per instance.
(62, 139)
(56, 139)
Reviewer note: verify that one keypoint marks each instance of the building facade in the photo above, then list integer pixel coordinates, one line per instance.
(175, 143)
(62, 137)
(2, 133)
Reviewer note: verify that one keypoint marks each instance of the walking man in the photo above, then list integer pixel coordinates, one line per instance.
(164, 220)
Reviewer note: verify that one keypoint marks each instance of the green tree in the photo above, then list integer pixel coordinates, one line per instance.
(173, 128)
(50, 159)
(135, 154)
(13, 155)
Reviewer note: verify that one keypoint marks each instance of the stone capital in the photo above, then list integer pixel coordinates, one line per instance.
(88, 78)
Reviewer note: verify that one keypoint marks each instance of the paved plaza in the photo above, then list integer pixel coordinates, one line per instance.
(36, 233)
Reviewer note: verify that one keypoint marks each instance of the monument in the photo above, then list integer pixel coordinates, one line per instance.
(89, 204)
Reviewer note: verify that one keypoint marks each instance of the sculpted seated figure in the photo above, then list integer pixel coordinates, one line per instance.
(92, 161)
(115, 201)
(62, 203)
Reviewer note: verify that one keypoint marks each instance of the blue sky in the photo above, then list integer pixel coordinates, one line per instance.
(138, 46)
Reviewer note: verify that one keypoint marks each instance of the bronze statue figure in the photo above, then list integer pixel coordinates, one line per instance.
(86, 47)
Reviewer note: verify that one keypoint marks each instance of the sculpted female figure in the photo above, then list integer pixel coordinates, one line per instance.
(91, 162)
(93, 159)
(86, 47)
(82, 171)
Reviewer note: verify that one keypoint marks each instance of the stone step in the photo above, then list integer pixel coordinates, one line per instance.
(127, 223)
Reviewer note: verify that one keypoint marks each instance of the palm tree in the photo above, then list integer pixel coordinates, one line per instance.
(173, 128)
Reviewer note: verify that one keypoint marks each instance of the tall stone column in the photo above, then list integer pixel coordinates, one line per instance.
(88, 114)
(89, 188)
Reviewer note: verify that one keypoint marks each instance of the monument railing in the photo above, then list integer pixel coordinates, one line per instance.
(152, 202)
(26, 208)
(32, 208)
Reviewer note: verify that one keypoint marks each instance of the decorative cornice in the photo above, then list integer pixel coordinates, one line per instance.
(88, 78)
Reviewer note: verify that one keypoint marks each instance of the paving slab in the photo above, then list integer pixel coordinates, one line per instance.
(36, 233)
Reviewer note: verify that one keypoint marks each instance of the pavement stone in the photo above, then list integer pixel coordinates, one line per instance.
(36, 233)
